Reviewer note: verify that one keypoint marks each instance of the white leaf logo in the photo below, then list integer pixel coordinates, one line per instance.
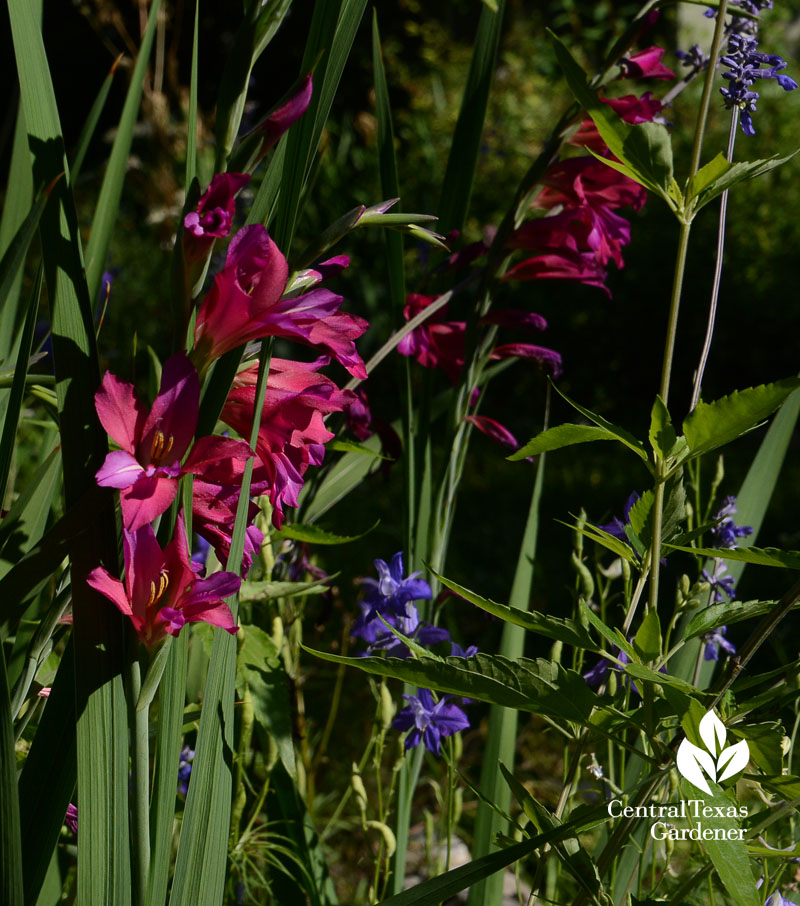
(693, 762)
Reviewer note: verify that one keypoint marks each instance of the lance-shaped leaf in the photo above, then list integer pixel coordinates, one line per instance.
(645, 150)
(712, 425)
(767, 556)
(719, 175)
(725, 613)
(562, 436)
(692, 761)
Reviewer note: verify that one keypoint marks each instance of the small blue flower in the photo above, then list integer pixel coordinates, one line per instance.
(185, 769)
(391, 591)
(716, 640)
(725, 533)
(722, 584)
(777, 899)
(380, 638)
(429, 721)
(617, 526)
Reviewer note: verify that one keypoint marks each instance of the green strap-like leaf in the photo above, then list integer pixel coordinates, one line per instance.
(313, 534)
(10, 840)
(464, 148)
(712, 425)
(89, 127)
(768, 556)
(111, 191)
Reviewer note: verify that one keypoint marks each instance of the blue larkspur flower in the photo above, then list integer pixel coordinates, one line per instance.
(391, 591)
(429, 721)
(778, 899)
(617, 526)
(380, 638)
(714, 641)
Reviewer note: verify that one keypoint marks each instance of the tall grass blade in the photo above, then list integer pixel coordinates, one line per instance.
(89, 127)
(10, 843)
(191, 124)
(332, 31)
(18, 385)
(501, 739)
(458, 177)
(111, 190)
(103, 857)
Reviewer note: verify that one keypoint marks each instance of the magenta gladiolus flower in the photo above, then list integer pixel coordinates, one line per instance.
(292, 434)
(630, 108)
(214, 517)
(245, 304)
(286, 115)
(146, 469)
(645, 64)
(436, 342)
(71, 819)
(213, 217)
(492, 428)
(162, 592)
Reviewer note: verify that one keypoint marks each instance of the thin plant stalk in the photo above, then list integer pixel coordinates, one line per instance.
(712, 311)
(140, 769)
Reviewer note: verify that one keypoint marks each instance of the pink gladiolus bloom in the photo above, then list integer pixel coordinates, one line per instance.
(583, 228)
(582, 267)
(629, 108)
(548, 358)
(214, 516)
(512, 317)
(493, 429)
(645, 64)
(162, 592)
(71, 819)
(147, 468)
(286, 115)
(245, 304)
(587, 181)
(435, 342)
(213, 216)
(292, 433)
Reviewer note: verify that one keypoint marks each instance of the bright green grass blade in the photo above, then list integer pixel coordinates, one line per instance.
(502, 735)
(257, 29)
(103, 857)
(89, 127)
(333, 29)
(201, 864)
(18, 386)
(48, 781)
(10, 842)
(457, 186)
(263, 207)
(751, 502)
(191, 125)
(172, 697)
(16, 207)
(111, 190)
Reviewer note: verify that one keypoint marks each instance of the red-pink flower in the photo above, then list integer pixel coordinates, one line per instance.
(147, 467)
(581, 267)
(292, 434)
(245, 304)
(214, 510)
(213, 216)
(585, 180)
(285, 115)
(645, 64)
(629, 108)
(436, 341)
(161, 591)
(492, 428)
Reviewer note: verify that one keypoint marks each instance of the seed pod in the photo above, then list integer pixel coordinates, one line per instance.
(359, 789)
(388, 708)
(388, 836)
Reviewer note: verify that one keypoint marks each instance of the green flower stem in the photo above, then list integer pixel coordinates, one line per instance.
(140, 768)
(409, 775)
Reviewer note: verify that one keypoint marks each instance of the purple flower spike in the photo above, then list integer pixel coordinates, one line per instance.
(391, 592)
(722, 584)
(429, 721)
(725, 532)
(71, 819)
(716, 640)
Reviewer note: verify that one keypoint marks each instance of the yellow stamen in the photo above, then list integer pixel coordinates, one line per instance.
(170, 441)
(152, 594)
(157, 446)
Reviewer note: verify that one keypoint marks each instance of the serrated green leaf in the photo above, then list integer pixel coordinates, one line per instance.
(562, 630)
(662, 434)
(711, 425)
(729, 856)
(562, 436)
(268, 591)
(647, 640)
(730, 175)
(764, 741)
(725, 614)
(706, 176)
(640, 672)
(313, 534)
(621, 434)
(258, 666)
(612, 636)
(640, 517)
(768, 556)
(527, 685)
(645, 151)
(786, 786)
(612, 543)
